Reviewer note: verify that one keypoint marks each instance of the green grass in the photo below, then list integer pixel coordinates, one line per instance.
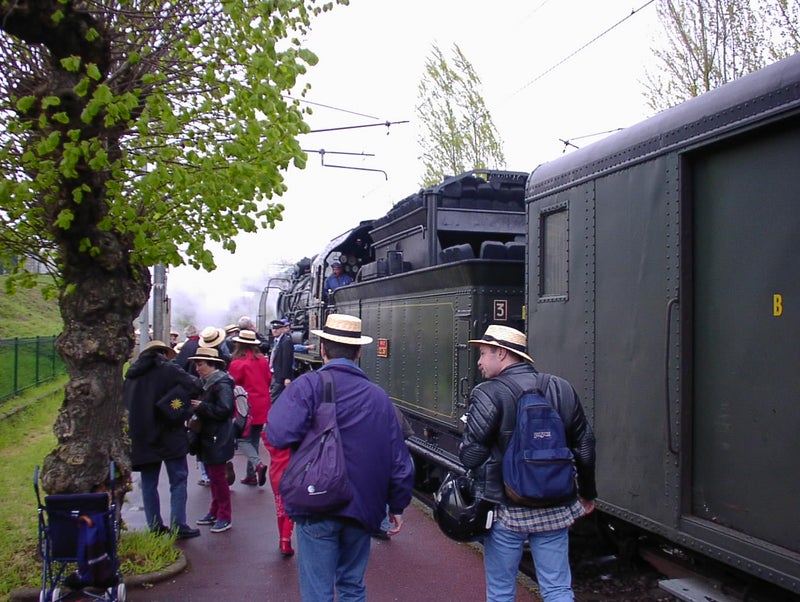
(26, 437)
(27, 314)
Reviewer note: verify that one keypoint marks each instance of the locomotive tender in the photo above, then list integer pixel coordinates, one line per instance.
(656, 270)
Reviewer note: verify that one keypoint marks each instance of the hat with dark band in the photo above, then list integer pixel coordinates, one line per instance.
(248, 337)
(506, 337)
(168, 351)
(207, 354)
(343, 329)
(211, 336)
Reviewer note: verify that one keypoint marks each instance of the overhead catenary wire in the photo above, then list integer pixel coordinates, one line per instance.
(331, 107)
(566, 142)
(569, 141)
(583, 47)
(322, 152)
(355, 127)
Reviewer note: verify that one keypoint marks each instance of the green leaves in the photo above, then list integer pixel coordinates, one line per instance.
(168, 142)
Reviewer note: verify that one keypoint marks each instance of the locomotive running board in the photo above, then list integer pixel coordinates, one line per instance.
(694, 589)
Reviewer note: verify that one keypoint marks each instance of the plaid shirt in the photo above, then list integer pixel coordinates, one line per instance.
(522, 519)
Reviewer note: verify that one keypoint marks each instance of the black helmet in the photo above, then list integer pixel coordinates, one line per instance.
(459, 515)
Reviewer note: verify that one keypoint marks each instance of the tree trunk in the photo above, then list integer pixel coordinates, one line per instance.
(95, 344)
(102, 290)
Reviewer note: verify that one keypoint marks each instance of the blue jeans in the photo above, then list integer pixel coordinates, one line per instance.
(331, 551)
(177, 472)
(550, 549)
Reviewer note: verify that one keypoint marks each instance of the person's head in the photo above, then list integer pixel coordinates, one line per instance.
(231, 330)
(337, 268)
(246, 323)
(159, 347)
(206, 361)
(280, 326)
(341, 337)
(211, 336)
(500, 347)
(173, 336)
(190, 331)
(246, 343)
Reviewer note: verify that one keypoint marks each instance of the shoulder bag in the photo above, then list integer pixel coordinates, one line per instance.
(315, 480)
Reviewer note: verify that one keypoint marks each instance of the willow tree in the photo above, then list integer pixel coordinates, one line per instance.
(136, 132)
(707, 43)
(458, 132)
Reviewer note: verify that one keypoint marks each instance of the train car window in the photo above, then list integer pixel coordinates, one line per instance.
(553, 276)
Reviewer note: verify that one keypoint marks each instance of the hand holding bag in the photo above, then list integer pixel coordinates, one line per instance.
(315, 480)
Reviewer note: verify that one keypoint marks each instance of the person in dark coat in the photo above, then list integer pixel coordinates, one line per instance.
(281, 359)
(216, 437)
(490, 425)
(157, 395)
(190, 345)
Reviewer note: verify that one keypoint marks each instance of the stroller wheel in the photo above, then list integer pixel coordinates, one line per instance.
(43, 596)
(120, 593)
(56, 594)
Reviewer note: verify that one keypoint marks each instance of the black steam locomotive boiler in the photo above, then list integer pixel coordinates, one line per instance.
(433, 273)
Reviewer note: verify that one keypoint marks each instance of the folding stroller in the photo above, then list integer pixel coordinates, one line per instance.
(80, 532)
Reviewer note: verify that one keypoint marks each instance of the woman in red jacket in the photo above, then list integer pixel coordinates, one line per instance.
(250, 369)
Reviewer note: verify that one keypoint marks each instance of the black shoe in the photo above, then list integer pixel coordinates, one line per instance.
(160, 530)
(186, 532)
(382, 535)
(261, 471)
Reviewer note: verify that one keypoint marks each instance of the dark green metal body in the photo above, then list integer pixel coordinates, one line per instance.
(674, 309)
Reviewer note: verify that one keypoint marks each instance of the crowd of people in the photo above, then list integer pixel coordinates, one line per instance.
(180, 399)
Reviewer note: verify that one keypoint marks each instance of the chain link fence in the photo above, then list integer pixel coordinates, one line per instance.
(26, 363)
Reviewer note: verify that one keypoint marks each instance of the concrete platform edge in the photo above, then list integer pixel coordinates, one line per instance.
(29, 594)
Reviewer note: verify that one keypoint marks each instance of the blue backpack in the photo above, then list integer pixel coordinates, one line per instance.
(538, 466)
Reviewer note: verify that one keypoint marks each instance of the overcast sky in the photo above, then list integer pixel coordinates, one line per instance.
(372, 55)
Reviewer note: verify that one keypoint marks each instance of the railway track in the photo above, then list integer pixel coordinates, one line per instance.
(599, 574)
(631, 569)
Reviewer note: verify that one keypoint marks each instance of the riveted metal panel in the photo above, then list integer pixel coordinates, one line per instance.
(425, 318)
(746, 461)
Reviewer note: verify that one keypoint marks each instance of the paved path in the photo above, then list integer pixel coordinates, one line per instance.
(419, 564)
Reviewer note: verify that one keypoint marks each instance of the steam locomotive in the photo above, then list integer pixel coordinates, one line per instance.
(657, 270)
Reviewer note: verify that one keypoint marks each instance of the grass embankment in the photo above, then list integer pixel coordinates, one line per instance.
(27, 313)
(26, 437)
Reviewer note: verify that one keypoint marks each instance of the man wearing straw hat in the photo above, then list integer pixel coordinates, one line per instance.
(490, 424)
(157, 394)
(333, 549)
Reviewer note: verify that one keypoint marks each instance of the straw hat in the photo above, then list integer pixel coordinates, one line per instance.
(343, 329)
(207, 354)
(211, 336)
(231, 329)
(506, 337)
(248, 337)
(160, 346)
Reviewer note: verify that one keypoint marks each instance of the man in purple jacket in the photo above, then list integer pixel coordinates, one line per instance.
(333, 548)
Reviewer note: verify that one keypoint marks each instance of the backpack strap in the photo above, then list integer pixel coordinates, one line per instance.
(328, 387)
(542, 382)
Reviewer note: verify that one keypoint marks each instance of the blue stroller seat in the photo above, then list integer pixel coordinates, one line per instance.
(80, 530)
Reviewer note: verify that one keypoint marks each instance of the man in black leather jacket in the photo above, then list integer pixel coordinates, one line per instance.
(490, 424)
